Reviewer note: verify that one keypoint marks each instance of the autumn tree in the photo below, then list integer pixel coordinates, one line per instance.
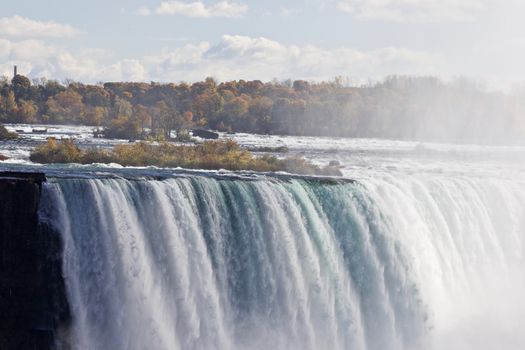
(207, 106)
(124, 127)
(161, 119)
(235, 112)
(27, 112)
(260, 114)
(143, 115)
(95, 95)
(9, 107)
(122, 107)
(66, 106)
(95, 115)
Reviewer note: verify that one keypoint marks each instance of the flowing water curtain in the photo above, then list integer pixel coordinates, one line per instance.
(196, 263)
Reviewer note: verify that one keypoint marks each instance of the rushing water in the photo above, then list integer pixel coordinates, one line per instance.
(426, 250)
(418, 261)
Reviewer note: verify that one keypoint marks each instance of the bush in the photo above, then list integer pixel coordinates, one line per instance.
(183, 136)
(94, 155)
(53, 151)
(123, 128)
(299, 165)
(211, 155)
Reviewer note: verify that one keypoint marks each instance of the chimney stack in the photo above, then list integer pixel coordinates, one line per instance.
(16, 73)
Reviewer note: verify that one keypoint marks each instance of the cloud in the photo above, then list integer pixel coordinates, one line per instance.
(196, 9)
(18, 26)
(233, 57)
(412, 10)
(36, 59)
(144, 11)
(285, 11)
(242, 57)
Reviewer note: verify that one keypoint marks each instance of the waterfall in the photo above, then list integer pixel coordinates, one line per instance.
(202, 263)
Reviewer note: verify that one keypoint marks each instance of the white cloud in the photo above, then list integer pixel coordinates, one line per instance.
(36, 58)
(285, 11)
(144, 11)
(233, 57)
(197, 9)
(412, 10)
(18, 26)
(241, 57)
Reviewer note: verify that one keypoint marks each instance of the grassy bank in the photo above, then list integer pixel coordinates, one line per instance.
(210, 155)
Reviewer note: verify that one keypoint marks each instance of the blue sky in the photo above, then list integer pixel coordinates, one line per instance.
(243, 39)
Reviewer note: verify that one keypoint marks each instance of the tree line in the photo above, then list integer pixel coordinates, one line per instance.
(398, 107)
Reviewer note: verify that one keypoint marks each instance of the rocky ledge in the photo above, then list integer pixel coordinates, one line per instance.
(34, 312)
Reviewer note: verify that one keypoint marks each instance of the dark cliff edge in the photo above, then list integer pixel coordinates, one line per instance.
(34, 313)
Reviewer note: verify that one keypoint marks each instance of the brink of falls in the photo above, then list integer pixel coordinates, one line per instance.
(196, 262)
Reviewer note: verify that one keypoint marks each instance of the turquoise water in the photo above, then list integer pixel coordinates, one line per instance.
(207, 262)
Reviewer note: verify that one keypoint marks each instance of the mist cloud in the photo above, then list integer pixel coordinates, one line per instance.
(412, 11)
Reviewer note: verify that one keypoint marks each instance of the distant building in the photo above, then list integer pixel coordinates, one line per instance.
(15, 72)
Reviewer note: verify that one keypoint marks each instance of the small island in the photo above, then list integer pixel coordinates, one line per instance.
(209, 155)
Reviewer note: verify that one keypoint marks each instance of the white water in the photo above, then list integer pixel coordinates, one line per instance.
(427, 252)
(424, 260)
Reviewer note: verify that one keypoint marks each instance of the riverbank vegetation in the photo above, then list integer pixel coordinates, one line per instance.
(398, 107)
(210, 155)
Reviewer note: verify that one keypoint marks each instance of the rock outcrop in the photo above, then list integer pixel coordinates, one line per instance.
(34, 312)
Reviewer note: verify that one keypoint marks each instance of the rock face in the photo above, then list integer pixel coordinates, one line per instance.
(205, 134)
(34, 312)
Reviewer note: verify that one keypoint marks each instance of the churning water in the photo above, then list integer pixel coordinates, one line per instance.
(425, 250)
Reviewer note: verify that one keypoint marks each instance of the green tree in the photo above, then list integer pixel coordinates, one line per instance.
(21, 86)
